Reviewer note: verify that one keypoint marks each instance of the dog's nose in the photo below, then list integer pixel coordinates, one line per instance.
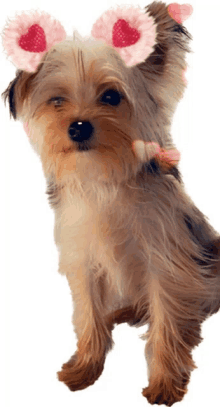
(80, 131)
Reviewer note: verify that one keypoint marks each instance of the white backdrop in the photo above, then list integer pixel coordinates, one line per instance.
(36, 306)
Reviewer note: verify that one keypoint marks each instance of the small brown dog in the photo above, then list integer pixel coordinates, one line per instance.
(132, 244)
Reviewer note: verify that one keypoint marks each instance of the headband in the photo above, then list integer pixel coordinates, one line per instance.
(129, 30)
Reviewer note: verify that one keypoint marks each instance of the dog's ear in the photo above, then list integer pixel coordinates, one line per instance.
(164, 68)
(17, 91)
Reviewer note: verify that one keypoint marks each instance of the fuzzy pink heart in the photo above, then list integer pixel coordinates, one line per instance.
(123, 34)
(179, 12)
(34, 40)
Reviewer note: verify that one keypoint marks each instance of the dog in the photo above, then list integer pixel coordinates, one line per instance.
(132, 244)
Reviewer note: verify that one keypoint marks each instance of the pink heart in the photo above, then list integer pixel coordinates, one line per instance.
(123, 34)
(34, 40)
(179, 12)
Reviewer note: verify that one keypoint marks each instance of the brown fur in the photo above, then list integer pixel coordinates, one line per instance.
(132, 244)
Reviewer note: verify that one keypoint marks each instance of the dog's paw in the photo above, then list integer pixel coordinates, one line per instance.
(162, 393)
(78, 375)
(156, 396)
(70, 362)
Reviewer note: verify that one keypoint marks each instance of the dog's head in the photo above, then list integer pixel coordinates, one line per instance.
(84, 106)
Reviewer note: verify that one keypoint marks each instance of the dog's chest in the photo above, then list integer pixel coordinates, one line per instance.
(81, 228)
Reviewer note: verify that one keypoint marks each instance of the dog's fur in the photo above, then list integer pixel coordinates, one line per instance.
(132, 244)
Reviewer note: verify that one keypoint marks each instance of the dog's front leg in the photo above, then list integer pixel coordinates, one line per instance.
(171, 338)
(93, 333)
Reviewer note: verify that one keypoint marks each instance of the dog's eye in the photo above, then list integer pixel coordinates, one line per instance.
(111, 97)
(56, 101)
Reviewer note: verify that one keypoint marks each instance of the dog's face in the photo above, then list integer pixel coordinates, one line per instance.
(80, 110)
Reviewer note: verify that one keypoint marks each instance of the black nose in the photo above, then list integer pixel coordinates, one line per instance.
(80, 131)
